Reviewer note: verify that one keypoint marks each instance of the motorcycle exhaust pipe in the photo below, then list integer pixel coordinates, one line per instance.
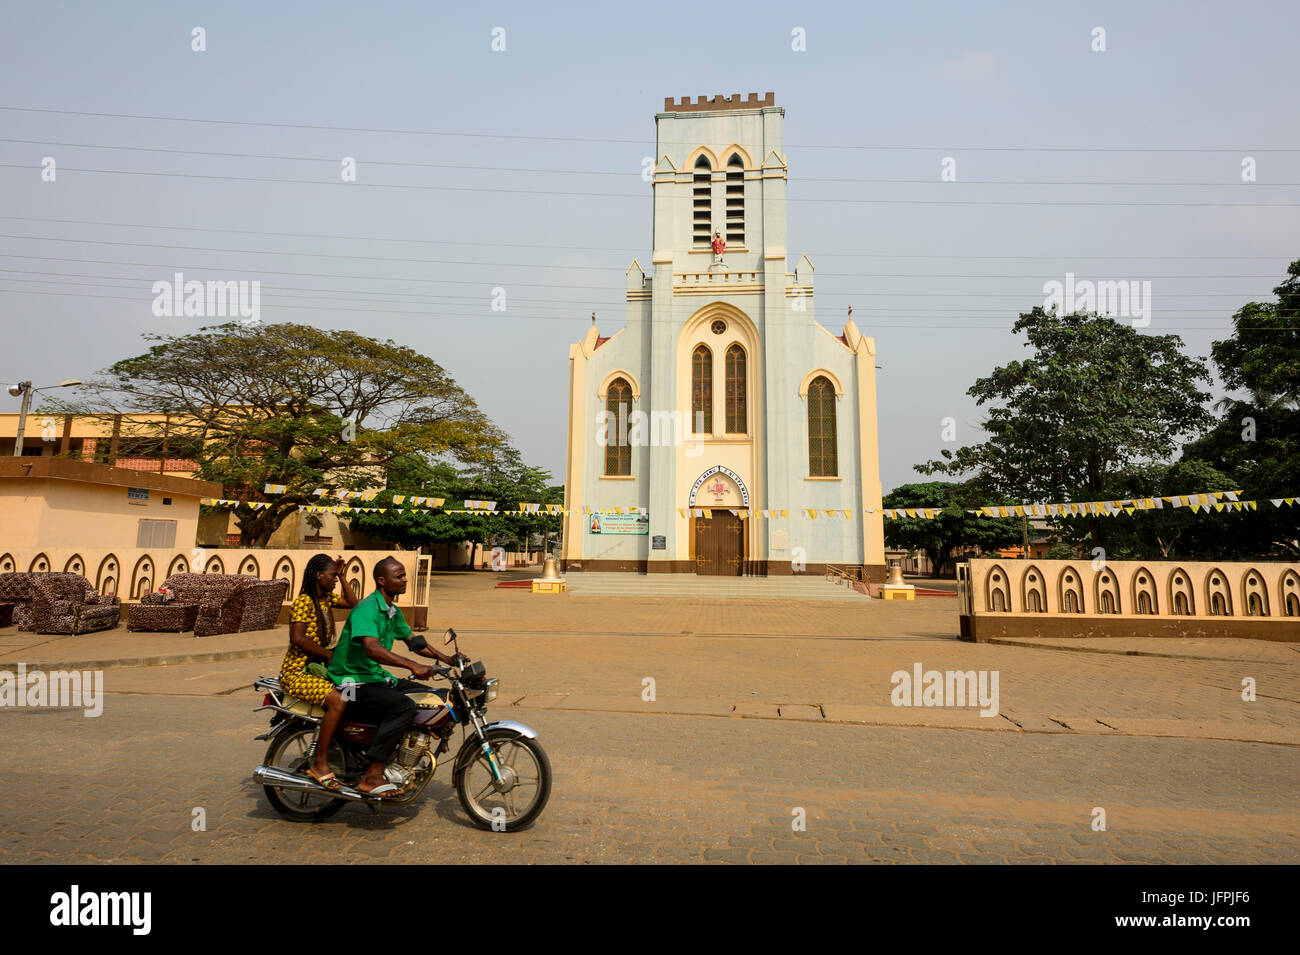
(279, 778)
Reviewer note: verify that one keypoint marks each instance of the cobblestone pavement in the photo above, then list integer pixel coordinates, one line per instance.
(657, 788)
(758, 710)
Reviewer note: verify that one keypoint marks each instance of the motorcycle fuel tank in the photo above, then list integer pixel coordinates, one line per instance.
(432, 710)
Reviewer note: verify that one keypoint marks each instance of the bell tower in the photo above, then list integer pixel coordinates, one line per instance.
(719, 177)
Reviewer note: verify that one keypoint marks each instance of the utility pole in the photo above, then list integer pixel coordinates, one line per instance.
(25, 389)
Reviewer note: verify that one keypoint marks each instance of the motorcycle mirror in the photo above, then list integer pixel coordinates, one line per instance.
(450, 637)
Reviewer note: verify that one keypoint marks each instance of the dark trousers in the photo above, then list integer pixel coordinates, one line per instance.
(390, 708)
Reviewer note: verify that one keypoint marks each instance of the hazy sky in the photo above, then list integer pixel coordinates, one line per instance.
(521, 169)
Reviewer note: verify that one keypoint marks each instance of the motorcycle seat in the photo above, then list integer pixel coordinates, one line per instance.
(303, 708)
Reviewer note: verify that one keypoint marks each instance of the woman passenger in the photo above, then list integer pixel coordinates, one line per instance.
(311, 633)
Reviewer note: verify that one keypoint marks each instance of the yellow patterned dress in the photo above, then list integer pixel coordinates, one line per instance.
(293, 675)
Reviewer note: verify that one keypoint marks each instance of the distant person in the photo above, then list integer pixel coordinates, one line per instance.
(311, 634)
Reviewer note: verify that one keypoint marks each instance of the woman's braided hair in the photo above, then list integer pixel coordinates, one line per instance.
(316, 566)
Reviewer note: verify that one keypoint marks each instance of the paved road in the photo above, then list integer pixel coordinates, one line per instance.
(761, 708)
(657, 787)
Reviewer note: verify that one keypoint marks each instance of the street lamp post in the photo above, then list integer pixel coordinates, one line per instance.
(25, 389)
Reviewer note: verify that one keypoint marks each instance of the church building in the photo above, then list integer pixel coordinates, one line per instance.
(722, 411)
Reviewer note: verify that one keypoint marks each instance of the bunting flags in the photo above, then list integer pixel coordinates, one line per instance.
(1204, 502)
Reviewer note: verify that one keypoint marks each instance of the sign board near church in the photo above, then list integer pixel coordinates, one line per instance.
(619, 524)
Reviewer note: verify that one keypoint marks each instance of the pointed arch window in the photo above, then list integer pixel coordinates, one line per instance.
(735, 200)
(618, 450)
(823, 456)
(702, 390)
(702, 200)
(736, 390)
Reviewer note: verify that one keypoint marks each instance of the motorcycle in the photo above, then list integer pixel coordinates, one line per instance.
(500, 772)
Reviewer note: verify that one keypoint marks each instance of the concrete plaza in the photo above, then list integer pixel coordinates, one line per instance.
(765, 710)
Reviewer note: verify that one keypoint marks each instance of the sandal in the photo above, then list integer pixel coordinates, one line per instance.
(329, 780)
(386, 791)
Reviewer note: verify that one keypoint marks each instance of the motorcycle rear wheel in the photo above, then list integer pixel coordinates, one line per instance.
(288, 751)
(473, 779)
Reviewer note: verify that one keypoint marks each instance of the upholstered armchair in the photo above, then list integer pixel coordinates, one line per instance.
(68, 604)
(16, 589)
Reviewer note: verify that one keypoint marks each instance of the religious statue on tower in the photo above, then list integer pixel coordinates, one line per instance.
(719, 246)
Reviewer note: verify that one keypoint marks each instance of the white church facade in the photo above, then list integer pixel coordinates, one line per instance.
(722, 404)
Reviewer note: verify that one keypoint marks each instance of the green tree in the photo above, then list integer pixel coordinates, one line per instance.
(507, 481)
(1171, 532)
(952, 528)
(1256, 440)
(1068, 423)
(291, 405)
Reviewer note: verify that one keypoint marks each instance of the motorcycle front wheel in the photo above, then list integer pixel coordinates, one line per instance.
(527, 772)
(288, 751)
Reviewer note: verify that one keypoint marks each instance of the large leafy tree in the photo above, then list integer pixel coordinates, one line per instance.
(1095, 399)
(938, 537)
(1171, 532)
(290, 405)
(507, 481)
(1257, 437)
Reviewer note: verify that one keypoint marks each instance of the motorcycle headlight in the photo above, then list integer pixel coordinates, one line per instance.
(490, 687)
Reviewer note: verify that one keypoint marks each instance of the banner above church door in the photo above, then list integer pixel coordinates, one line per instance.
(719, 487)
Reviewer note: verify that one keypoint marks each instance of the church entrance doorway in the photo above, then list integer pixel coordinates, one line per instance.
(719, 544)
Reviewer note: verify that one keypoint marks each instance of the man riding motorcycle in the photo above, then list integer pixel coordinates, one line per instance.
(374, 695)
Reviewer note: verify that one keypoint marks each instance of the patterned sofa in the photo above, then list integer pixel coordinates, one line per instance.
(58, 603)
(229, 603)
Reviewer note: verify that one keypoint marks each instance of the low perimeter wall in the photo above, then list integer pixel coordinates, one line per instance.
(1072, 598)
(132, 572)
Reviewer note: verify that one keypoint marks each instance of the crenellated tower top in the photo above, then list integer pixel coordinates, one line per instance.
(705, 104)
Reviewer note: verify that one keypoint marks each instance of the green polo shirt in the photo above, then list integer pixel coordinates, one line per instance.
(373, 617)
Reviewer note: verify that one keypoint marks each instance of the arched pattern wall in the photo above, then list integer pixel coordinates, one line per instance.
(1289, 588)
(1146, 599)
(1070, 587)
(1254, 594)
(284, 568)
(1244, 591)
(1218, 594)
(999, 591)
(107, 576)
(142, 577)
(1182, 596)
(1108, 593)
(1033, 591)
(355, 572)
(135, 572)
